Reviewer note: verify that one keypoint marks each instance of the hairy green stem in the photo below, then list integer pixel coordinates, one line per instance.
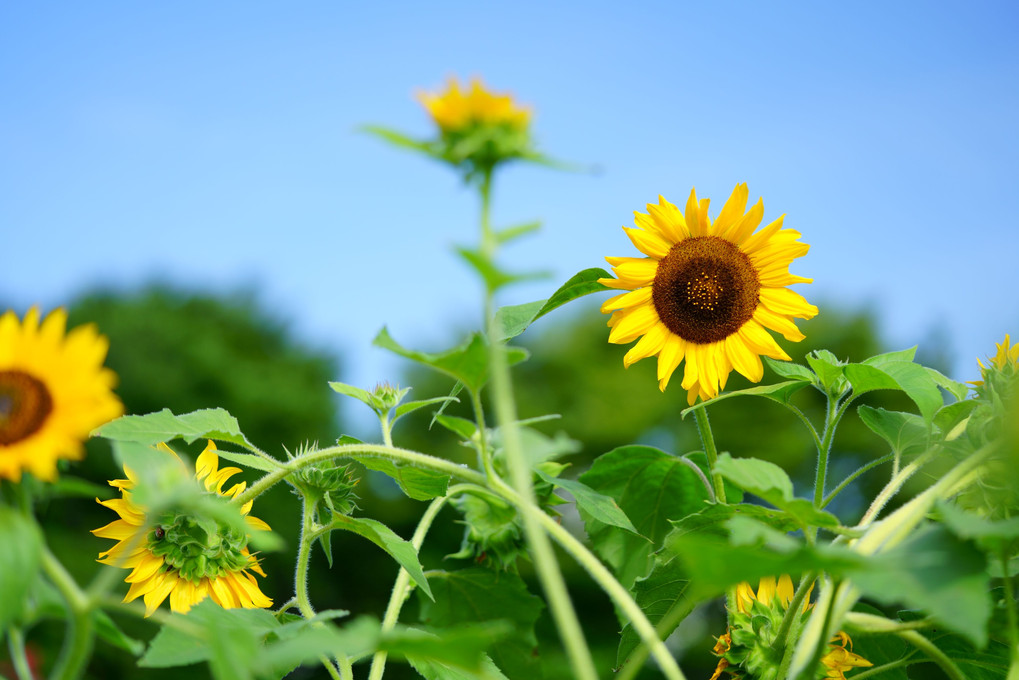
(355, 452)
(849, 480)
(1013, 616)
(19, 659)
(791, 623)
(832, 417)
(79, 637)
(545, 564)
(708, 440)
(484, 455)
(402, 587)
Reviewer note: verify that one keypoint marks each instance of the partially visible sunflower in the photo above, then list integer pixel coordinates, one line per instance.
(746, 646)
(707, 291)
(54, 390)
(180, 556)
(1006, 358)
(456, 109)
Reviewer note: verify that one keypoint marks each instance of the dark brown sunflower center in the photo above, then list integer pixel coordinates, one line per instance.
(24, 405)
(705, 289)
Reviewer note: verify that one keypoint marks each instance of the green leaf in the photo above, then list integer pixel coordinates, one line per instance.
(467, 362)
(474, 596)
(714, 519)
(411, 406)
(514, 320)
(537, 446)
(937, 572)
(770, 482)
(991, 534)
(381, 535)
(951, 415)
(788, 369)
(913, 379)
(898, 355)
(207, 631)
(651, 487)
(73, 487)
(781, 392)
(418, 483)
(494, 277)
(163, 426)
(904, 432)
(19, 561)
(881, 649)
(662, 597)
(511, 233)
(461, 647)
(402, 141)
(466, 429)
(828, 369)
(432, 669)
(957, 389)
(988, 663)
(598, 506)
(111, 633)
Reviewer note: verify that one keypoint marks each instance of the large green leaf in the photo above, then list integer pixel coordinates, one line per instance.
(662, 597)
(714, 519)
(19, 561)
(514, 320)
(992, 534)
(913, 379)
(457, 647)
(433, 669)
(467, 362)
(418, 483)
(935, 571)
(474, 596)
(652, 487)
(906, 433)
(598, 506)
(770, 482)
(384, 537)
(163, 426)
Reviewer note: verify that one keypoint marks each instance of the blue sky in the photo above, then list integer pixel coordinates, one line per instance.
(215, 145)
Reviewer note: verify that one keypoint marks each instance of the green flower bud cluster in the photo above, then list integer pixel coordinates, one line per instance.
(327, 486)
(198, 547)
(752, 636)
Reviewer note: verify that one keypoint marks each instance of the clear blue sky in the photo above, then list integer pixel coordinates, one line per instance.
(214, 145)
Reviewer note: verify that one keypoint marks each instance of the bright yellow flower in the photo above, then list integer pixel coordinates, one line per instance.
(838, 659)
(168, 556)
(1006, 357)
(707, 291)
(53, 392)
(456, 109)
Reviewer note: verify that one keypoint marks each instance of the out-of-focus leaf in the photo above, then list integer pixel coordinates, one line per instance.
(110, 632)
(474, 596)
(163, 426)
(19, 561)
(512, 233)
(781, 392)
(989, 533)
(411, 406)
(467, 362)
(661, 595)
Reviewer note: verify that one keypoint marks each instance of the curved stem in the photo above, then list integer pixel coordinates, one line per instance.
(303, 558)
(708, 440)
(78, 640)
(933, 652)
(604, 578)
(849, 480)
(19, 659)
(354, 452)
(402, 586)
(484, 455)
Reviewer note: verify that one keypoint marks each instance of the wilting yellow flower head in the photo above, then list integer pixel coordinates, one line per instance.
(745, 647)
(456, 109)
(53, 392)
(706, 291)
(174, 554)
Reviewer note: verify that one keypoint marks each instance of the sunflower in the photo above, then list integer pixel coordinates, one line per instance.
(769, 603)
(456, 109)
(53, 392)
(706, 292)
(174, 554)
(1006, 358)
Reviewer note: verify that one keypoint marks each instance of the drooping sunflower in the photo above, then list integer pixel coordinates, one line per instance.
(54, 390)
(180, 556)
(757, 617)
(457, 109)
(707, 292)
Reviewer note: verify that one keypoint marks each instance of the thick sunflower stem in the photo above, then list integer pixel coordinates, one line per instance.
(546, 566)
(402, 587)
(79, 637)
(708, 441)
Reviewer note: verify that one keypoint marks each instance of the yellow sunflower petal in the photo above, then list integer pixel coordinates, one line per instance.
(118, 530)
(648, 243)
(632, 323)
(632, 299)
(647, 346)
(732, 211)
(639, 271)
(669, 357)
(746, 224)
(669, 219)
(746, 362)
(787, 302)
(777, 322)
(161, 588)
